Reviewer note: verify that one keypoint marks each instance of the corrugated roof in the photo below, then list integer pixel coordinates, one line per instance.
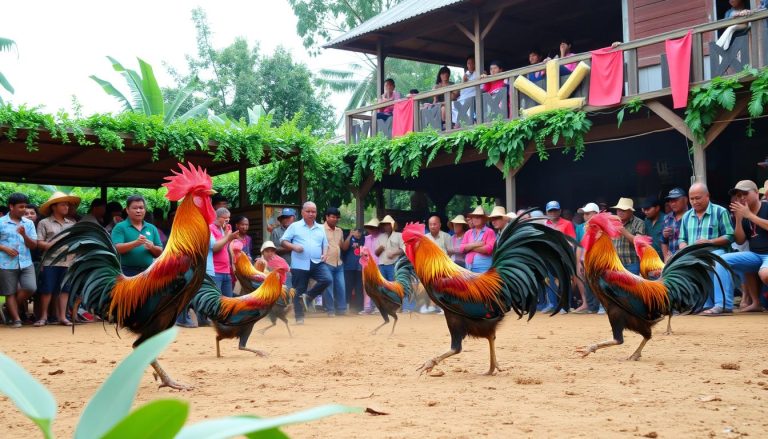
(401, 12)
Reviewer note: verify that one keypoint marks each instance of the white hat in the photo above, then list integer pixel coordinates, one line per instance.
(497, 212)
(458, 219)
(625, 204)
(374, 222)
(511, 215)
(268, 244)
(590, 207)
(479, 211)
(388, 220)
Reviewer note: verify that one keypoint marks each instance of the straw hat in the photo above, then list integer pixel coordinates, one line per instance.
(374, 222)
(388, 220)
(479, 211)
(625, 204)
(58, 197)
(458, 219)
(497, 212)
(268, 244)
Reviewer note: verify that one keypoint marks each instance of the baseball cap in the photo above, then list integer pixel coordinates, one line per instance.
(676, 193)
(287, 211)
(743, 186)
(646, 203)
(590, 207)
(552, 205)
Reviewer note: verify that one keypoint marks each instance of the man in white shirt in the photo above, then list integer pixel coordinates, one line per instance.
(465, 94)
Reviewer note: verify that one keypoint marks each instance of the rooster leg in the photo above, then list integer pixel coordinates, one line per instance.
(263, 330)
(255, 351)
(288, 328)
(378, 327)
(669, 326)
(586, 350)
(494, 363)
(391, 333)
(166, 380)
(432, 362)
(636, 355)
(218, 349)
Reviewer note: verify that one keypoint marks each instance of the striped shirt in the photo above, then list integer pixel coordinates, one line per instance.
(624, 247)
(713, 224)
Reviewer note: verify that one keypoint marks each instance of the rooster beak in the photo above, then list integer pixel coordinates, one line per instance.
(211, 192)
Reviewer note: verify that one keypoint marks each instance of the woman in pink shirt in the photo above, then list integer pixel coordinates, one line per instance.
(565, 51)
(478, 242)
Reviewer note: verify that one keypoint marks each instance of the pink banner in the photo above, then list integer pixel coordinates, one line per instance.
(402, 123)
(606, 78)
(679, 60)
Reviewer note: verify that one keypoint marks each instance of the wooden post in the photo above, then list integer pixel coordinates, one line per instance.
(633, 80)
(479, 65)
(360, 194)
(699, 163)
(379, 202)
(697, 57)
(242, 193)
(302, 184)
(511, 193)
(104, 193)
(380, 58)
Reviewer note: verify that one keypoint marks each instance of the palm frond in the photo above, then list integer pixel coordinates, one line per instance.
(114, 92)
(5, 84)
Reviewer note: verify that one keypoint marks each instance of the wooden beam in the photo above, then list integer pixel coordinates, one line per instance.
(671, 118)
(466, 32)
(446, 159)
(58, 161)
(479, 46)
(491, 23)
(723, 121)
(380, 58)
(699, 163)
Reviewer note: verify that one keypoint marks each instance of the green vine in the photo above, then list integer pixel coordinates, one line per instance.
(232, 142)
(503, 142)
(633, 106)
(706, 102)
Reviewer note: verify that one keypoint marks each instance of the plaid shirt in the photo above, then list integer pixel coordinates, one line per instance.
(713, 224)
(624, 248)
(673, 242)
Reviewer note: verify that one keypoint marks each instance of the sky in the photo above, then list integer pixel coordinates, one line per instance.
(61, 43)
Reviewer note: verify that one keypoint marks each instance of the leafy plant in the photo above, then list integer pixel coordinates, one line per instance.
(708, 100)
(6, 45)
(632, 106)
(146, 96)
(107, 414)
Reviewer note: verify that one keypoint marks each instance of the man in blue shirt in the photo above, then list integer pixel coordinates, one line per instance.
(17, 274)
(308, 243)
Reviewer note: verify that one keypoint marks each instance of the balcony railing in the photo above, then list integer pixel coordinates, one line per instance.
(748, 47)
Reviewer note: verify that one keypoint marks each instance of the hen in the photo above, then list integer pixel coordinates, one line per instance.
(637, 304)
(149, 302)
(281, 310)
(388, 296)
(234, 317)
(526, 253)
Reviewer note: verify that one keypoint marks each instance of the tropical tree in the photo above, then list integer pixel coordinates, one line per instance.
(146, 95)
(6, 45)
(321, 20)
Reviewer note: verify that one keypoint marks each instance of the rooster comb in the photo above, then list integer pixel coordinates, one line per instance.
(607, 223)
(412, 230)
(189, 180)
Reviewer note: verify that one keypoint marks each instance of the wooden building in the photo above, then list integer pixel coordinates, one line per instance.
(650, 153)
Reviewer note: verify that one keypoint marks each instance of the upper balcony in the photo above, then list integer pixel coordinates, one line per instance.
(645, 66)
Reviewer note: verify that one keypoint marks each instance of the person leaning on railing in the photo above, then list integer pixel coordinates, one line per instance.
(390, 94)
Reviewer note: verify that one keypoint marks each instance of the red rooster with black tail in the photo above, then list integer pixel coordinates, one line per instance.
(149, 302)
(526, 253)
(637, 304)
(388, 296)
(234, 317)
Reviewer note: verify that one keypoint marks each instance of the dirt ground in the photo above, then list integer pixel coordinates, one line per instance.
(709, 379)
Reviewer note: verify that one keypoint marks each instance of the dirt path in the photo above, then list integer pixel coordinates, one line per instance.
(679, 388)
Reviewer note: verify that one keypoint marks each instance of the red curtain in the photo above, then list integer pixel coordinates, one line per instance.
(679, 60)
(402, 122)
(606, 78)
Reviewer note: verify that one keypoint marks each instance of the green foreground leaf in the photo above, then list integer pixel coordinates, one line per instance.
(31, 397)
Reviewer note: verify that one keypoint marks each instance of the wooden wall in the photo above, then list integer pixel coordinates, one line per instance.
(652, 17)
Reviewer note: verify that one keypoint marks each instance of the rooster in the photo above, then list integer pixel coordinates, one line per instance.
(635, 303)
(235, 316)
(247, 275)
(388, 296)
(651, 265)
(474, 304)
(149, 302)
(281, 309)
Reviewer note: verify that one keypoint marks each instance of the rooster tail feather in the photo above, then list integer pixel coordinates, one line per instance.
(688, 277)
(207, 301)
(95, 268)
(405, 275)
(526, 255)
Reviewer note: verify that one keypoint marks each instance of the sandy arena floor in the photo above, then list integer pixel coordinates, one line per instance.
(710, 379)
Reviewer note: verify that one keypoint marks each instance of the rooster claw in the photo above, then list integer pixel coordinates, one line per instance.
(427, 366)
(586, 350)
(170, 383)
